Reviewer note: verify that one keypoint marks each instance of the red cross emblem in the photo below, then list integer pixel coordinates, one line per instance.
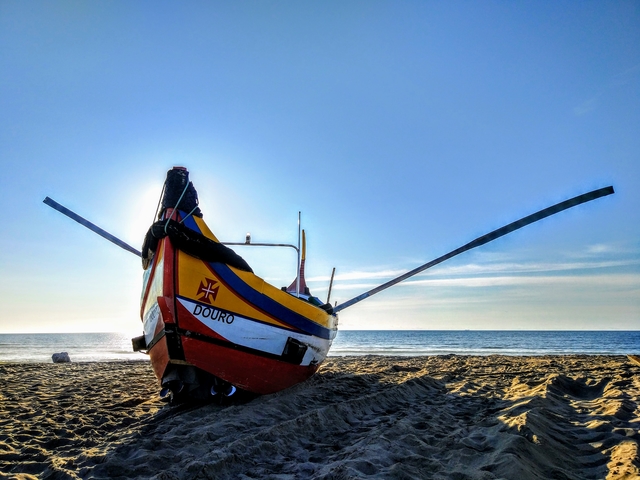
(209, 291)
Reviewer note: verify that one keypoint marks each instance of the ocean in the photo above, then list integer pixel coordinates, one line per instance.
(100, 347)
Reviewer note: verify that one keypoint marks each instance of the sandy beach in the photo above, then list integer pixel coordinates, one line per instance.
(441, 417)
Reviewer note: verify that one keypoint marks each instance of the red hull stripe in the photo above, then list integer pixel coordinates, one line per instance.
(244, 370)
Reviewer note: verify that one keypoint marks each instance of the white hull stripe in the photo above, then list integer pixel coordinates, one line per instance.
(253, 334)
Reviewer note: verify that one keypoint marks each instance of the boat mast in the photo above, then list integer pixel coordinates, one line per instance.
(333, 272)
(298, 272)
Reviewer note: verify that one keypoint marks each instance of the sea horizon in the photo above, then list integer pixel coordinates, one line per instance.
(116, 346)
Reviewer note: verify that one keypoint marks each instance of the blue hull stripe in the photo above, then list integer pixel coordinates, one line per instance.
(189, 222)
(260, 300)
(269, 305)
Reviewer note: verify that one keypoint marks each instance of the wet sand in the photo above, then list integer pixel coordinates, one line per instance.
(441, 417)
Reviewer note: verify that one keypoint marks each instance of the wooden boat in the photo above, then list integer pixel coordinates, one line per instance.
(211, 326)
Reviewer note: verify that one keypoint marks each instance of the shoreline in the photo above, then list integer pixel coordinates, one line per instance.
(631, 357)
(97, 347)
(448, 416)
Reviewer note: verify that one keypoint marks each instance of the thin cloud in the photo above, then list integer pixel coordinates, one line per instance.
(623, 280)
(533, 267)
(626, 77)
(519, 287)
(599, 248)
(358, 275)
(361, 287)
(586, 106)
(619, 80)
(475, 269)
(609, 249)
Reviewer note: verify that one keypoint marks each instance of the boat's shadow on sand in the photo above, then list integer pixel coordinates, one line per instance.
(360, 417)
(430, 417)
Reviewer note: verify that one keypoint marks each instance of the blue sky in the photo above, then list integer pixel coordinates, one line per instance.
(401, 130)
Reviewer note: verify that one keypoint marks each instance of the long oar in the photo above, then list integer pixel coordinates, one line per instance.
(86, 223)
(94, 228)
(489, 237)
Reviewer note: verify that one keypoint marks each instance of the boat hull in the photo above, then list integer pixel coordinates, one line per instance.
(208, 325)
